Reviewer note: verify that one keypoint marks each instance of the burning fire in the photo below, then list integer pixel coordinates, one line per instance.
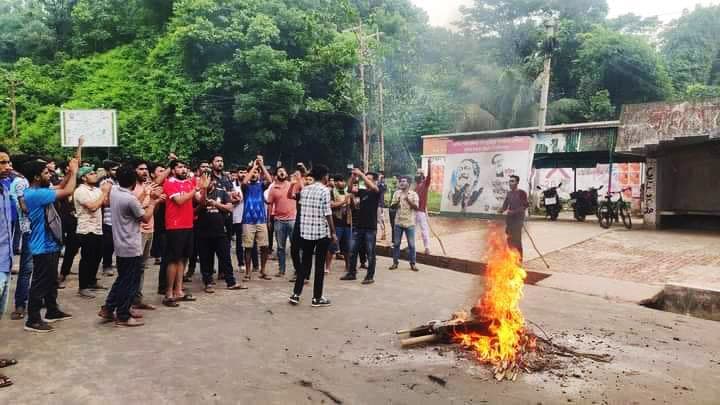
(500, 306)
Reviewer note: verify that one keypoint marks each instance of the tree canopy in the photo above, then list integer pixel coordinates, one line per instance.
(282, 77)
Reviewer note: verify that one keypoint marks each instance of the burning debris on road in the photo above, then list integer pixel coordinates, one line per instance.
(495, 329)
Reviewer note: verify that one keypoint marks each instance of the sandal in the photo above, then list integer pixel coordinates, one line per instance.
(237, 287)
(169, 302)
(187, 297)
(265, 276)
(7, 362)
(5, 381)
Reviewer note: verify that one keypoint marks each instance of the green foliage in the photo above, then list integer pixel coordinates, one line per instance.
(690, 46)
(626, 66)
(701, 91)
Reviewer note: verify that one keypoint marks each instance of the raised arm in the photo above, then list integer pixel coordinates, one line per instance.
(71, 175)
(368, 183)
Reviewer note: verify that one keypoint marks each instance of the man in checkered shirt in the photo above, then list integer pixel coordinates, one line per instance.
(317, 230)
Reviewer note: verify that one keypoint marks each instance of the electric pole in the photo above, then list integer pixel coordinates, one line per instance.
(548, 48)
(13, 83)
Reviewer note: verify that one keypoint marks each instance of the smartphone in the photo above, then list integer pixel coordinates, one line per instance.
(350, 166)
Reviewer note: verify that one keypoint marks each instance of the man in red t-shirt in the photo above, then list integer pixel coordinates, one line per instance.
(284, 212)
(179, 213)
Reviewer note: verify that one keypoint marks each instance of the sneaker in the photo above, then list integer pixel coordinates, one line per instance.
(368, 281)
(413, 267)
(57, 317)
(131, 322)
(321, 302)
(293, 279)
(242, 269)
(157, 261)
(294, 299)
(363, 266)
(38, 327)
(105, 314)
(348, 276)
(86, 293)
(393, 267)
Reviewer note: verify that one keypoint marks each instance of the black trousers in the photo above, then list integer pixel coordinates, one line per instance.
(44, 286)
(392, 212)
(162, 273)
(108, 248)
(514, 236)
(295, 251)
(125, 287)
(72, 246)
(194, 256)
(90, 255)
(319, 248)
(209, 248)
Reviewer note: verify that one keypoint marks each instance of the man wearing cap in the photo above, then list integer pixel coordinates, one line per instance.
(88, 200)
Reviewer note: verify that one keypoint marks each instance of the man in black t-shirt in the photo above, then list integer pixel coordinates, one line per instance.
(213, 238)
(364, 203)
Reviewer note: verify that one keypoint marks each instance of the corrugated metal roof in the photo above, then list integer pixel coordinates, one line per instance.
(529, 130)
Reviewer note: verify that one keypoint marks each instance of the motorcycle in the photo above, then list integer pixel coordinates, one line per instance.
(551, 201)
(585, 202)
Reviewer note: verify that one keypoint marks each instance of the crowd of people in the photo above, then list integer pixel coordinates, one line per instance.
(182, 216)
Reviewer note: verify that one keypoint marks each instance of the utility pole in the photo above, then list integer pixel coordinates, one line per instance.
(382, 112)
(548, 47)
(13, 104)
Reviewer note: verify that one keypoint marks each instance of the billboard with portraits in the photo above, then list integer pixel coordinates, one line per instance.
(477, 173)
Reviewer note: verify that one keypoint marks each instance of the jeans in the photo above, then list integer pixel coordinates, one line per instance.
(392, 213)
(210, 247)
(410, 236)
(283, 232)
(44, 286)
(125, 286)
(319, 248)
(16, 236)
(72, 247)
(90, 255)
(4, 287)
(147, 242)
(240, 251)
(364, 238)
(108, 248)
(26, 267)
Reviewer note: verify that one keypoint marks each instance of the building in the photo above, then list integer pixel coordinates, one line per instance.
(681, 142)
(472, 169)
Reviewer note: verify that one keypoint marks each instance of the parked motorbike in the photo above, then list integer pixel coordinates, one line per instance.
(551, 201)
(585, 202)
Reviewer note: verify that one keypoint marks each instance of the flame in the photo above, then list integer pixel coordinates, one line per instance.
(499, 304)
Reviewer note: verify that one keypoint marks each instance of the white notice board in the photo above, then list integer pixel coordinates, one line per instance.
(99, 127)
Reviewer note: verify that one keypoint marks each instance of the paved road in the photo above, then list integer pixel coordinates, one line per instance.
(252, 347)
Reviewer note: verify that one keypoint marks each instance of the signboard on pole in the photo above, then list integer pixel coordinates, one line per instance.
(477, 173)
(99, 127)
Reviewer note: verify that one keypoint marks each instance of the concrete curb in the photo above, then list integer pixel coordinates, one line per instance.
(687, 299)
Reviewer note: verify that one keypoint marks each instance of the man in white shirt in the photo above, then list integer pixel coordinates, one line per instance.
(88, 200)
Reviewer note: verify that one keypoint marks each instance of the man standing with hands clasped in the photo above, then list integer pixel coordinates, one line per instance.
(406, 202)
(516, 202)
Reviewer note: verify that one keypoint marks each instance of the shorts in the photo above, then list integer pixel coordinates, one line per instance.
(179, 244)
(344, 235)
(252, 233)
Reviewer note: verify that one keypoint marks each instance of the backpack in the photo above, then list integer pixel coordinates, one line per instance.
(53, 223)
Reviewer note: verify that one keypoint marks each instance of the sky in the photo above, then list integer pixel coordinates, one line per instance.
(444, 12)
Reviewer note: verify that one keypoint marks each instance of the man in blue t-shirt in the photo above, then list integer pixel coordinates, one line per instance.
(254, 222)
(44, 244)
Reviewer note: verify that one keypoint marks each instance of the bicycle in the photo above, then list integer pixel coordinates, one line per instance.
(613, 211)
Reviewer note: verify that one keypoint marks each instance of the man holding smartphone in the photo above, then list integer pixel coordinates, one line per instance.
(254, 228)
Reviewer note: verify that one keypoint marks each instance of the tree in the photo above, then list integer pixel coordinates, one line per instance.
(690, 45)
(626, 66)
